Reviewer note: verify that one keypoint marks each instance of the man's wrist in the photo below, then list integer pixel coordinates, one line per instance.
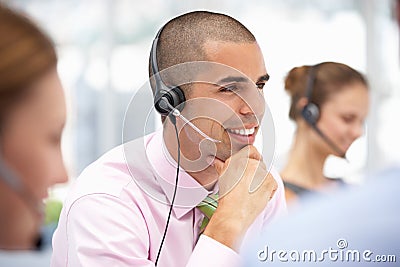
(226, 231)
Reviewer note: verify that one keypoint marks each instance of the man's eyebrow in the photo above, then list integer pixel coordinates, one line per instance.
(230, 79)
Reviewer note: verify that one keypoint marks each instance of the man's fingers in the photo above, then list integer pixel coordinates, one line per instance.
(249, 152)
(273, 191)
(265, 183)
(271, 186)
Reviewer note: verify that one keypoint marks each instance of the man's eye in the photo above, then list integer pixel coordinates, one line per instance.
(260, 85)
(228, 88)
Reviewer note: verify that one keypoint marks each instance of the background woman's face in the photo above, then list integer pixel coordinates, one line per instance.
(343, 115)
(31, 139)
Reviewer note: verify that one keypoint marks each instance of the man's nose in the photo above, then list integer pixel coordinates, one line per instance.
(245, 108)
(251, 102)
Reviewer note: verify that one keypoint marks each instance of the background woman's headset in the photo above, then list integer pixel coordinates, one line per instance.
(311, 111)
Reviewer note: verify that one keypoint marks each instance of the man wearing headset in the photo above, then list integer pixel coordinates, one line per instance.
(137, 205)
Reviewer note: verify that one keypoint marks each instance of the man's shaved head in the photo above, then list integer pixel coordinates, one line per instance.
(183, 38)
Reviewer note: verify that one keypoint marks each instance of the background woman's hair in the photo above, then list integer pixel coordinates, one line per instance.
(26, 53)
(330, 78)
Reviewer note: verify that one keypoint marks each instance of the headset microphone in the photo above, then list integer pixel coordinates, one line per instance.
(329, 142)
(311, 112)
(175, 112)
(10, 178)
(14, 182)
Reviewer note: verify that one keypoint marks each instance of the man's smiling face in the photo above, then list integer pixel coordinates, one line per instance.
(231, 105)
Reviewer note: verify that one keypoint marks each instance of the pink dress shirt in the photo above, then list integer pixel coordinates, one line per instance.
(115, 213)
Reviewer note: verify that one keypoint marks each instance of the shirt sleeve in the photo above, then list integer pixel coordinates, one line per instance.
(209, 252)
(97, 238)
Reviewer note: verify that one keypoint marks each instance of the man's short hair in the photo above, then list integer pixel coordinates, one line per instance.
(183, 38)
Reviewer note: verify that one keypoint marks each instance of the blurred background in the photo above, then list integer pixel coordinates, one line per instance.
(103, 48)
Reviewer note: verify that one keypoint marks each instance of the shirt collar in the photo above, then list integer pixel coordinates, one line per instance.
(189, 192)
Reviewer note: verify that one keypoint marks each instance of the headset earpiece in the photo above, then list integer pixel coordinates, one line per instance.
(164, 94)
(310, 113)
(174, 96)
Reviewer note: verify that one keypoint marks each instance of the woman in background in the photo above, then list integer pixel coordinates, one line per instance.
(329, 103)
(32, 117)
